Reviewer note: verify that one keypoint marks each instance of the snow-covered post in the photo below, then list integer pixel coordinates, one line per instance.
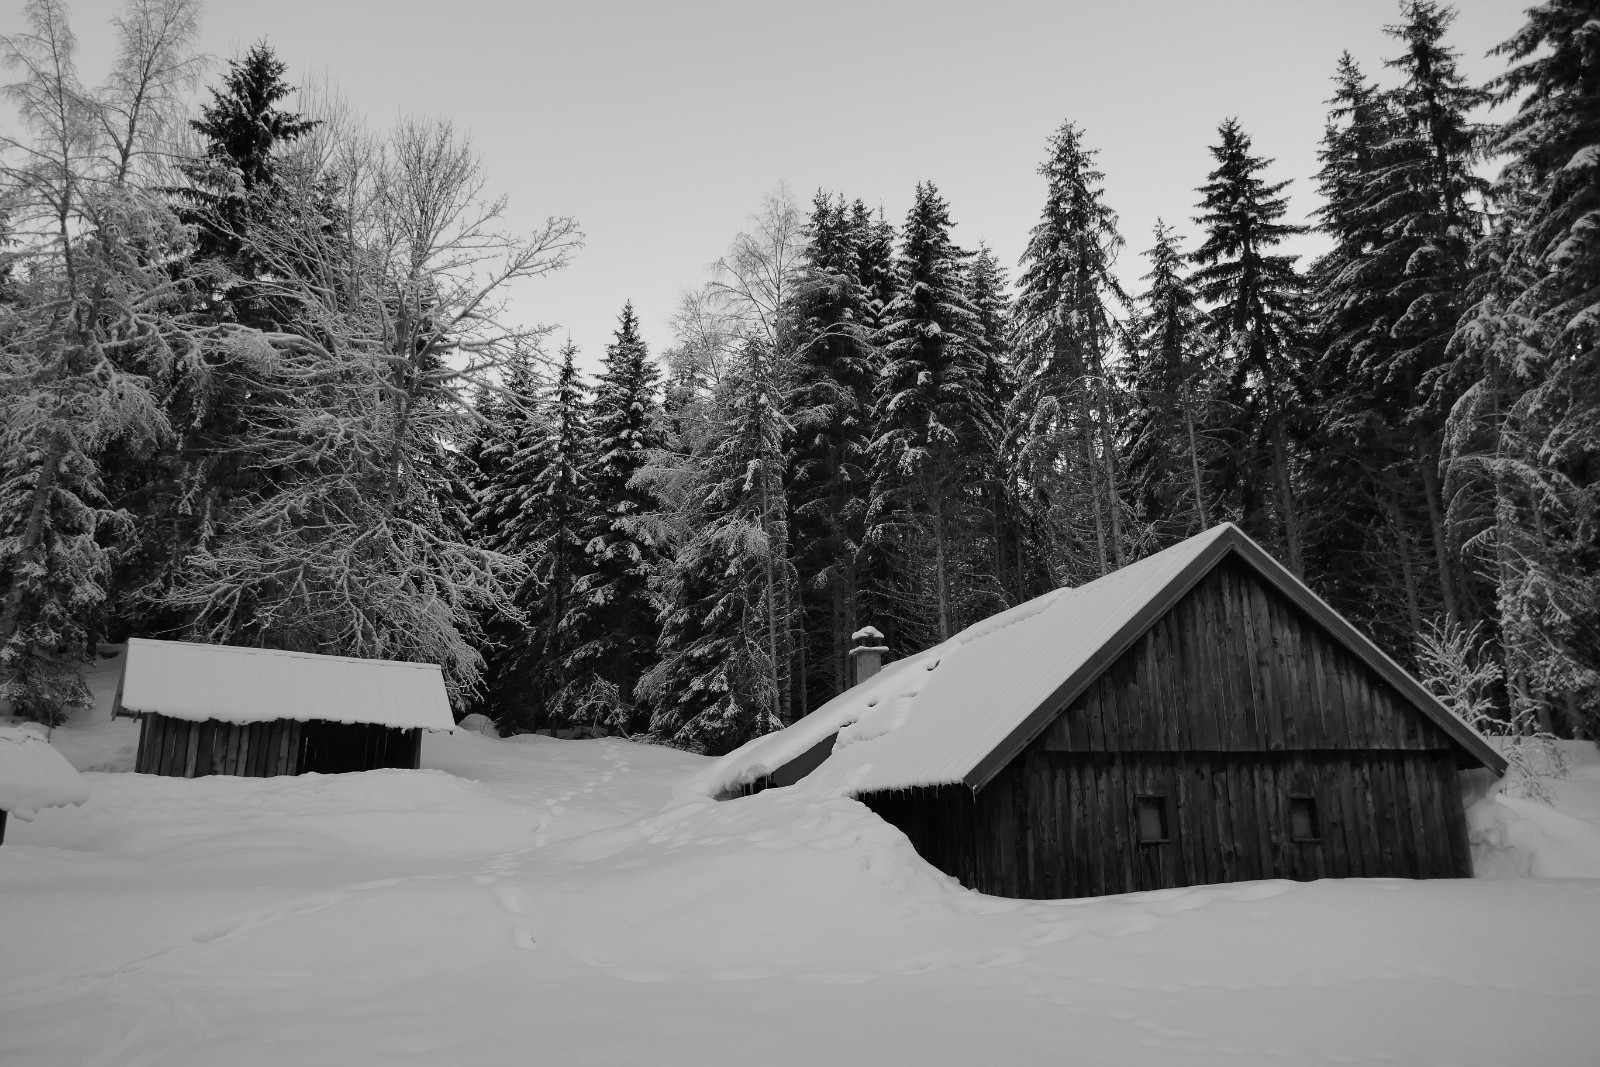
(866, 656)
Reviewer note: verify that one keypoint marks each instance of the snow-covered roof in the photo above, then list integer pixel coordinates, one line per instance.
(34, 775)
(960, 711)
(242, 685)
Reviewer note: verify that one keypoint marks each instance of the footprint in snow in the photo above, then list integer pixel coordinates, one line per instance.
(511, 899)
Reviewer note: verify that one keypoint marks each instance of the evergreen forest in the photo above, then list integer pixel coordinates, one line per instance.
(259, 385)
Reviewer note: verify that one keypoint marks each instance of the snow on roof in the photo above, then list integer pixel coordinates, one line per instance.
(929, 719)
(33, 775)
(960, 710)
(242, 685)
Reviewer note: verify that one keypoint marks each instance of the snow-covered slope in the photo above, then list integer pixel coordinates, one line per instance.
(555, 902)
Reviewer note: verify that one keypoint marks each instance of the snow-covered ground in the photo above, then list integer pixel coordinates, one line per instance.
(555, 902)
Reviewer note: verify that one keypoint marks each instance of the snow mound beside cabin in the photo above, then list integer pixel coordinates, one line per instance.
(33, 775)
(1513, 837)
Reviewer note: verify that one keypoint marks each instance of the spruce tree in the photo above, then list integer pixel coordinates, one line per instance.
(543, 506)
(834, 373)
(1012, 549)
(614, 627)
(1365, 490)
(234, 183)
(933, 428)
(1254, 320)
(1522, 445)
(1423, 198)
(187, 488)
(1066, 332)
(1169, 380)
(719, 678)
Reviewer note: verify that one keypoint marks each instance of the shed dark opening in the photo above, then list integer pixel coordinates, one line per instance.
(1303, 822)
(1153, 820)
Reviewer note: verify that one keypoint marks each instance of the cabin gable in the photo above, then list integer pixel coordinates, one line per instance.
(1235, 666)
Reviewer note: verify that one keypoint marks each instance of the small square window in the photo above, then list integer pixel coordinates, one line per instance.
(1153, 825)
(1303, 822)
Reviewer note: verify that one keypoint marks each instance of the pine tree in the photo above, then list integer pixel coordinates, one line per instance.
(1169, 379)
(718, 681)
(1422, 198)
(1361, 481)
(933, 428)
(1066, 331)
(874, 267)
(1254, 322)
(234, 182)
(1013, 567)
(834, 373)
(614, 630)
(540, 507)
(1522, 446)
(186, 488)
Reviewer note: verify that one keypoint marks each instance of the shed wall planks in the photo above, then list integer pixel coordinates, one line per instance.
(181, 748)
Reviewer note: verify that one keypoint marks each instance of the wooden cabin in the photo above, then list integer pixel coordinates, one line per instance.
(256, 712)
(1199, 716)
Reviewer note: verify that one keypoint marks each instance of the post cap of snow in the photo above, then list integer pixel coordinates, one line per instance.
(33, 775)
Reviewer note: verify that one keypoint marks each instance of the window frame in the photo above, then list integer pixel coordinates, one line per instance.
(1164, 814)
(1310, 802)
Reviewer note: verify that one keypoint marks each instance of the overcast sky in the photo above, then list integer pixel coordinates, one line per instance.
(659, 125)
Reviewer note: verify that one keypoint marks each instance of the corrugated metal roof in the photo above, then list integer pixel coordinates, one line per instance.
(241, 685)
(963, 709)
(34, 775)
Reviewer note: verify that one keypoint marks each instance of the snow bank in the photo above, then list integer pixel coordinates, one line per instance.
(1513, 837)
(34, 775)
(554, 901)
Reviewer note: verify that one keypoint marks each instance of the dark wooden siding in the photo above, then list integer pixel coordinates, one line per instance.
(185, 749)
(1235, 667)
(1228, 706)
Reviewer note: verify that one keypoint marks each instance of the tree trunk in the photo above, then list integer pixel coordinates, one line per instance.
(941, 584)
(1091, 469)
(1194, 458)
(1403, 548)
(1280, 470)
(1428, 466)
(1109, 458)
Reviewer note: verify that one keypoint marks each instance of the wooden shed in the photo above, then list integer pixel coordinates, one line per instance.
(1199, 716)
(256, 712)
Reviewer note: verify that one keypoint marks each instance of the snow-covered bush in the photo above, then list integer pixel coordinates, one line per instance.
(1458, 669)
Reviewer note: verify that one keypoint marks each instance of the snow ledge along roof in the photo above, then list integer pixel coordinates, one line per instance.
(196, 682)
(962, 710)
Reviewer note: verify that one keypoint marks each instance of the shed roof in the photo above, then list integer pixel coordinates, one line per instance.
(242, 685)
(34, 775)
(962, 710)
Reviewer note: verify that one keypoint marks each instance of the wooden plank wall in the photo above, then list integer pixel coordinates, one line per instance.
(187, 749)
(1230, 705)
(1235, 667)
(1065, 826)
